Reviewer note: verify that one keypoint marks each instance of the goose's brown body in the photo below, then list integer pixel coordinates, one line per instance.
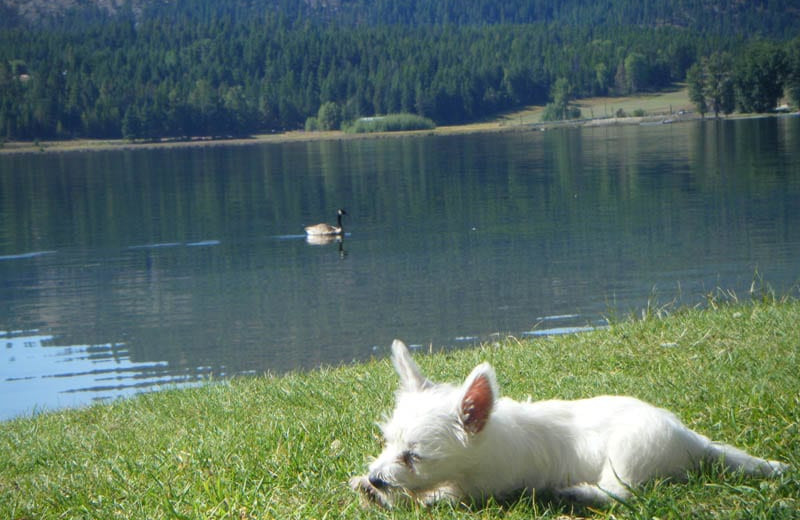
(327, 229)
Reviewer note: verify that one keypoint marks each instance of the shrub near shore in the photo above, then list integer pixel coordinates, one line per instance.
(284, 447)
(389, 123)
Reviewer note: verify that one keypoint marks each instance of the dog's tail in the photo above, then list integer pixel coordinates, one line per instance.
(734, 459)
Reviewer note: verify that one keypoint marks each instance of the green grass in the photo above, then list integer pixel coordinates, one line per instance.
(668, 101)
(284, 447)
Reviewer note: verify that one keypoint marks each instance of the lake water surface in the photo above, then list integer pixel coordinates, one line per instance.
(122, 271)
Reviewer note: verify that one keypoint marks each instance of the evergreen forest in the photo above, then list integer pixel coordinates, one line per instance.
(151, 69)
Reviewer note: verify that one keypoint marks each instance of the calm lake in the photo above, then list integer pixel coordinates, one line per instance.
(123, 271)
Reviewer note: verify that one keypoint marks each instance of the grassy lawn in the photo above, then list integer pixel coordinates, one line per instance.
(284, 447)
(666, 102)
(659, 103)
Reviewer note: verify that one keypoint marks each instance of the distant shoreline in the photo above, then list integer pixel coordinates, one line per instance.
(97, 145)
(663, 107)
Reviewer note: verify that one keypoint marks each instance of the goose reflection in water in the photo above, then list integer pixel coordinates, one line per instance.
(323, 240)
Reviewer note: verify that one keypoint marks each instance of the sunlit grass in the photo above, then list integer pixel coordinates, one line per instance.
(284, 447)
(658, 103)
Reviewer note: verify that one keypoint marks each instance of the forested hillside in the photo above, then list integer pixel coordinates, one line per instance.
(763, 17)
(142, 68)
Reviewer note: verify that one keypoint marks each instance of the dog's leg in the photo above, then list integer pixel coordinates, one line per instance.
(608, 489)
(735, 459)
(447, 494)
(591, 495)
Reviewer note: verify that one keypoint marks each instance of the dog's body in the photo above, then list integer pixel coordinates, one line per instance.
(448, 442)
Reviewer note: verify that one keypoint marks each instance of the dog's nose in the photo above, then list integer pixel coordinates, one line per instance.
(377, 482)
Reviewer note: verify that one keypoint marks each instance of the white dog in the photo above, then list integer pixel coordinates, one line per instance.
(455, 443)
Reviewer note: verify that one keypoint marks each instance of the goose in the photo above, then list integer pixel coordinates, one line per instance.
(327, 229)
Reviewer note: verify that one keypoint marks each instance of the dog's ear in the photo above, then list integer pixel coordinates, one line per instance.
(411, 378)
(477, 401)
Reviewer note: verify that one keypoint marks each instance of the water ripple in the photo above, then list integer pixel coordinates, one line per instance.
(23, 256)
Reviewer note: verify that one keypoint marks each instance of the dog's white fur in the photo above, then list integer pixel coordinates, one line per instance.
(466, 442)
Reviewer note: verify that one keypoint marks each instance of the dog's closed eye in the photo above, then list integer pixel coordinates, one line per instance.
(409, 458)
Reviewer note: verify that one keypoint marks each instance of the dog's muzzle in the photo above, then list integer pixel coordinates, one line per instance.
(377, 482)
